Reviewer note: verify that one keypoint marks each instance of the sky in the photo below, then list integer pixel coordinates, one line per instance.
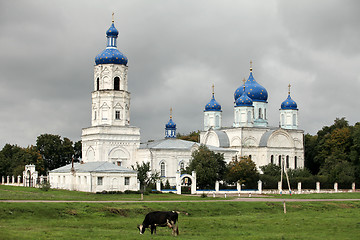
(176, 51)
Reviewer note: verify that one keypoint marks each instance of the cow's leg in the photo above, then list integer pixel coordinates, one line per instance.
(152, 227)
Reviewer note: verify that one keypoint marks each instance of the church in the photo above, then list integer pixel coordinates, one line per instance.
(111, 146)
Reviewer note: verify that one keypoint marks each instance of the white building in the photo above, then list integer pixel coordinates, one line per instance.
(250, 134)
(111, 146)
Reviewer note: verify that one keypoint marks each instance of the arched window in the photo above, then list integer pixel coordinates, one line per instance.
(295, 162)
(162, 169)
(116, 83)
(217, 121)
(280, 160)
(287, 161)
(260, 113)
(294, 119)
(282, 120)
(272, 159)
(182, 166)
(249, 117)
(97, 84)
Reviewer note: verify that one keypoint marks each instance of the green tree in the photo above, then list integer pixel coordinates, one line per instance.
(193, 136)
(77, 151)
(208, 165)
(144, 174)
(243, 171)
(56, 152)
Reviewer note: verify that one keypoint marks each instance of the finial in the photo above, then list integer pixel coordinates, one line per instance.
(113, 17)
(289, 88)
(213, 87)
(250, 66)
(171, 113)
(244, 83)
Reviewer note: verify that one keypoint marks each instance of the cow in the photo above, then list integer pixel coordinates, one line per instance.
(161, 219)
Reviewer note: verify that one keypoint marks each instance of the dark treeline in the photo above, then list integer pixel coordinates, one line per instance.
(50, 152)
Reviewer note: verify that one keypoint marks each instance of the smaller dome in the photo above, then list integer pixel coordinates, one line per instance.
(289, 104)
(111, 55)
(244, 101)
(170, 124)
(213, 105)
(112, 31)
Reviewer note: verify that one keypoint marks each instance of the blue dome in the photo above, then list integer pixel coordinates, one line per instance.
(112, 31)
(244, 101)
(289, 104)
(111, 55)
(254, 90)
(213, 105)
(170, 124)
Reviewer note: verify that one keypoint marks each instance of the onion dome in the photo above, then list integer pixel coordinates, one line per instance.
(213, 105)
(289, 103)
(111, 55)
(253, 89)
(244, 100)
(170, 127)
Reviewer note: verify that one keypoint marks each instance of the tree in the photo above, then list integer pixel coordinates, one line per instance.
(243, 171)
(144, 176)
(54, 151)
(208, 165)
(77, 151)
(193, 136)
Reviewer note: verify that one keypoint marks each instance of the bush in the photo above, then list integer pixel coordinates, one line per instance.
(45, 186)
(203, 195)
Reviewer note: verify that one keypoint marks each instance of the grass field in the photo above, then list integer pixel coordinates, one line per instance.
(205, 220)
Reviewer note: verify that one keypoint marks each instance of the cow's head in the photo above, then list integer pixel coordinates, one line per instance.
(141, 228)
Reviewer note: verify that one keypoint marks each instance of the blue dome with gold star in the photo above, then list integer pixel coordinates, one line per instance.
(112, 31)
(170, 124)
(254, 90)
(244, 101)
(111, 55)
(289, 104)
(213, 105)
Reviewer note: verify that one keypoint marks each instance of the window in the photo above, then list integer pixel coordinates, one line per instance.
(118, 163)
(104, 114)
(217, 121)
(117, 115)
(162, 169)
(260, 113)
(287, 161)
(116, 83)
(100, 181)
(97, 84)
(295, 162)
(249, 117)
(272, 159)
(94, 115)
(181, 166)
(265, 113)
(294, 119)
(282, 120)
(127, 181)
(280, 160)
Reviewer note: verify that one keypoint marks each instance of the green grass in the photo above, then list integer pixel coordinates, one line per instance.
(347, 195)
(206, 220)
(26, 193)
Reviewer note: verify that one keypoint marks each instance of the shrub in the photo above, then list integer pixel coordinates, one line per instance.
(45, 186)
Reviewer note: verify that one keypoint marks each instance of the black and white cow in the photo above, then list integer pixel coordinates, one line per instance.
(161, 219)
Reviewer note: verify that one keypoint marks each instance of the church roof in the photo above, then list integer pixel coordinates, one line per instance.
(178, 144)
(105, 167)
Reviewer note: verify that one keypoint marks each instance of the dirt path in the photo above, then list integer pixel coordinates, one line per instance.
(231, 200)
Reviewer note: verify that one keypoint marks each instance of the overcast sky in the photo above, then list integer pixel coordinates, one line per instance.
(176, 51)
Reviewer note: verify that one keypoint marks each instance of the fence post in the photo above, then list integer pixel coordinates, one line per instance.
(8, 179)
(158, 185)
(217, 187)
(318, 187)
(2, 179)
(336, 187)
(279, 187)
(299, 188)
(19, 180)
(260, 186)
(353, 187)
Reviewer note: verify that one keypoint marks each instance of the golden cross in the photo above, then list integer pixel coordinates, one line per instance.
(213, 87)
(171, 113)
(244, 83)
(289, 88)
(250, 66)
(113, 17)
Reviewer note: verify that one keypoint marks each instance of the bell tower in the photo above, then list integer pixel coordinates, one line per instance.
(110, 137)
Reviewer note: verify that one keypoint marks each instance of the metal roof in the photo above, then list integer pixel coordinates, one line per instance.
(105, 167)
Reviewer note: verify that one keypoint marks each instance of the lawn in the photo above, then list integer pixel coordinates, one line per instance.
(197, 220)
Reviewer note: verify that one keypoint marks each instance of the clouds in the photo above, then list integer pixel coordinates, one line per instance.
(176, 50)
